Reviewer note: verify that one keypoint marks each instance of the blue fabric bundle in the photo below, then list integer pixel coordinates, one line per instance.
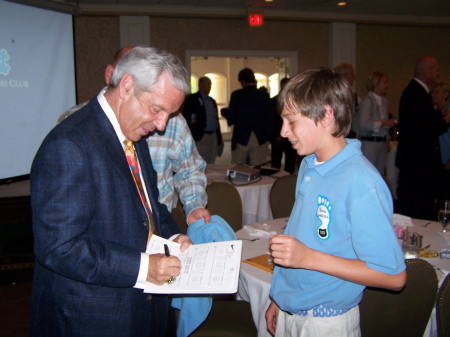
(195, 309)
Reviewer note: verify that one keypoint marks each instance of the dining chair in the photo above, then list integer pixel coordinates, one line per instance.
(224, 200)
(443, 308)
(228, 318)
(282, 196)
(401, 313)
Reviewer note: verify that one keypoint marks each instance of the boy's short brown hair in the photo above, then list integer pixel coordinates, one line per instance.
(308, 93)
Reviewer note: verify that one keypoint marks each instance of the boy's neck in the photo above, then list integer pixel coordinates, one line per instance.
(330, 148)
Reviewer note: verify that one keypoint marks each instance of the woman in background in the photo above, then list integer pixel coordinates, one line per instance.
(373, 121)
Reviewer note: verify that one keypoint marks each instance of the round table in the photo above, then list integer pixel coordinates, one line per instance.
(254, 283)
(255, 195)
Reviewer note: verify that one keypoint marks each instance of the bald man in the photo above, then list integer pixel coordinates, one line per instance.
(347, 72)
(418, 154)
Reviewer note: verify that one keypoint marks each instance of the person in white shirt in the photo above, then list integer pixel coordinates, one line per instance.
(373, 120)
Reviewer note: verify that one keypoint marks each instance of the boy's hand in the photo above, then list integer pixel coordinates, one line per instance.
(287, 251)
(271, 317)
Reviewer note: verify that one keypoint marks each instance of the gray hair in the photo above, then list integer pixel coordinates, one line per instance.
(146, 64)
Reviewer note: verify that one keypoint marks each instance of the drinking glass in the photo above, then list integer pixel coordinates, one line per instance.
(444, 214)
(412, 243)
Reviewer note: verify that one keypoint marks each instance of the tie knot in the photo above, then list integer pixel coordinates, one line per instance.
(128, 143)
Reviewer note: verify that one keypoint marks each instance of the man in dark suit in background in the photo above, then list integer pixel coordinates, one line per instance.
(250, 112)
(89, 221)
(418, 154)
(280, 144)
(200, 112)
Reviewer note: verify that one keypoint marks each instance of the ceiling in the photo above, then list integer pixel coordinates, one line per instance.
(389, 11)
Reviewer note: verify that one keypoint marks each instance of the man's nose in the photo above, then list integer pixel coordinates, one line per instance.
(161, 122)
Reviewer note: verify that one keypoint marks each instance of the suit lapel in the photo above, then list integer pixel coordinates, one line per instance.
(114, 150)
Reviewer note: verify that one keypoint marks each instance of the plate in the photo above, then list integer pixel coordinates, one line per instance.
(428, 254)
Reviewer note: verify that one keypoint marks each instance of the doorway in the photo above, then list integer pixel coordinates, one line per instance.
(223, 66)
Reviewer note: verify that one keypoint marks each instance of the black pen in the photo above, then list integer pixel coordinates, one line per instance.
(166, 250)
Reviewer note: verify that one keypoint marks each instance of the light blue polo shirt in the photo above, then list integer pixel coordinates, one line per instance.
(344, 208)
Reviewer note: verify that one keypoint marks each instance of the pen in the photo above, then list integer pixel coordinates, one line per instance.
(166, 250)
(167, 253)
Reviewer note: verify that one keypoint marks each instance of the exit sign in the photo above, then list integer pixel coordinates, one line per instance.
(255, 20)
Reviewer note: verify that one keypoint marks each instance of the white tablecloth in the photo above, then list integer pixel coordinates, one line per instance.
(254, 283)
(254, 196)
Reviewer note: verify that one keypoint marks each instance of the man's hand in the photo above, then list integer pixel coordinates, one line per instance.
(184, 241)
(271, 317)
(199, 213)
(161, 268)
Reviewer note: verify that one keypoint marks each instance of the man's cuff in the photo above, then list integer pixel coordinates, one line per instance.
(143, 269)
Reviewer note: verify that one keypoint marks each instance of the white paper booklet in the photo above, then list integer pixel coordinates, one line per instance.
(209, 268)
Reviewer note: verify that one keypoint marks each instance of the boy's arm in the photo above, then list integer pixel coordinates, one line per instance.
(290, 252)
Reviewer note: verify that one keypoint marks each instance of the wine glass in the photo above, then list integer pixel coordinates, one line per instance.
(444, 214)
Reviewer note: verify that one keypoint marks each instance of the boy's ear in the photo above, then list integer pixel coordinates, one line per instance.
(328, 118)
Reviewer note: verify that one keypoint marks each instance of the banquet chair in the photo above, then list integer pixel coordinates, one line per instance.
(228, 319)
(401, 313)
(282, 196)
(443, 308)
(224, 200)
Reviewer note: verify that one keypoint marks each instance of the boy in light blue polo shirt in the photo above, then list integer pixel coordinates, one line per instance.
(339, 237)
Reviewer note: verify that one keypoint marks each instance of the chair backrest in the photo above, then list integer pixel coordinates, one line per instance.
(443, 308)
(282, 196)
(403, 313)
(224, 200)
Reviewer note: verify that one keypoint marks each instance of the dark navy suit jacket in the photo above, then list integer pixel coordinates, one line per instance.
(90, 228)
(418, 154)
(250, 110)
(419, 129)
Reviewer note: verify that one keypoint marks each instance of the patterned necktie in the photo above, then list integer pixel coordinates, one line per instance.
(134, 167)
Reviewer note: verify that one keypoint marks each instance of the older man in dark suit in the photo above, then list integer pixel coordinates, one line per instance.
(90, 222)
(418, 155)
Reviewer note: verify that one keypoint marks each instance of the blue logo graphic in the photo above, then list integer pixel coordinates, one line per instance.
(4, 66)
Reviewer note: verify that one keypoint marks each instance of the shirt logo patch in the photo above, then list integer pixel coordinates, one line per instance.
(324, 215)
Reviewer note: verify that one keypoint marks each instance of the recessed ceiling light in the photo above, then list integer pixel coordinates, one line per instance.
(268, 0)
(342, 4)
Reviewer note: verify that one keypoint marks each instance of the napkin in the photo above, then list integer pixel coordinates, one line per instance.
(401, 220)
(259, 229)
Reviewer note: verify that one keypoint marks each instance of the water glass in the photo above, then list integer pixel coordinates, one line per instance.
(412, 243)
(444, 214)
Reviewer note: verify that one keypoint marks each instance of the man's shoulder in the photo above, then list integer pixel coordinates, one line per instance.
(176, 121)
(414, 86)
(194, 96)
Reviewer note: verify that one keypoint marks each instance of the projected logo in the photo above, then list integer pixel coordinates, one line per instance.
(4, 66)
